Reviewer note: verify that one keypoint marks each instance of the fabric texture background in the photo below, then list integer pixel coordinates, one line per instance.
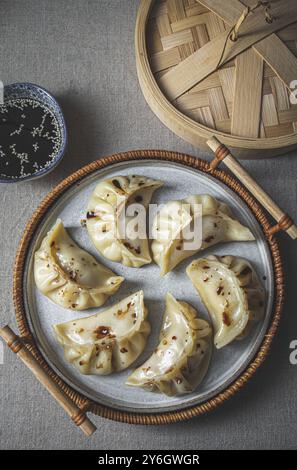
(83, 52)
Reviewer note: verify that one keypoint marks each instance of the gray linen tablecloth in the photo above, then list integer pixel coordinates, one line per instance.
(83, 52)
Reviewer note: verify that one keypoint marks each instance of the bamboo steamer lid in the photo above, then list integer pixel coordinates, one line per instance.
(201, 83)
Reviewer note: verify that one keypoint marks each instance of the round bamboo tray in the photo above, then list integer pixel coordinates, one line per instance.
(27, 348)
(200, 82)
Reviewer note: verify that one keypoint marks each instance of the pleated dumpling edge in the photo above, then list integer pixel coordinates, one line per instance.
(176, 219)
(109, 341)
(70, 276)
(181, 360)
(232, 293)
(108, 208)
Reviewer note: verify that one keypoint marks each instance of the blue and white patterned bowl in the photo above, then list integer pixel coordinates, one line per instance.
(36, 92)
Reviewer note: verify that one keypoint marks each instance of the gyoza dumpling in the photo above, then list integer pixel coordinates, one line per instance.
(176, 221)
(181, 360)
(108, 341)
(231, 291)
(108, 214)
(68, 275)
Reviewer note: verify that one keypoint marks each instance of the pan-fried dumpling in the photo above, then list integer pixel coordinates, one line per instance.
(109, 341)
(231, 291)
(176, 220)
(108, 212)
(68, 275)
(181, 360)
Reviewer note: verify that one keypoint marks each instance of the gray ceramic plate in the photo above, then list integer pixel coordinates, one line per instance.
(226, 365)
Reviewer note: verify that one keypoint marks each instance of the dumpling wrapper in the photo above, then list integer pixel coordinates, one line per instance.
(108, 205)
(176, 217)
(232, 293)
(109, 341)
(181, 360)
(69, 275)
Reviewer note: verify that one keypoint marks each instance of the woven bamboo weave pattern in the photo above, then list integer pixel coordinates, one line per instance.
(244, 97)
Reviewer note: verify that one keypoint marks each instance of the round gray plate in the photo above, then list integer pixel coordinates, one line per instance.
(227, 364)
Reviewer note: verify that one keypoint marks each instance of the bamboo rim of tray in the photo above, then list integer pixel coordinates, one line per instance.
(22, 322)
(178, 122)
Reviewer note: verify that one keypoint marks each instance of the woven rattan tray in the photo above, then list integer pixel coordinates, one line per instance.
(28, 347)
(199, 82)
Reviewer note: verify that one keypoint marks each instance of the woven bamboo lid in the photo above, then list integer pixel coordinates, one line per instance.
(201, 81)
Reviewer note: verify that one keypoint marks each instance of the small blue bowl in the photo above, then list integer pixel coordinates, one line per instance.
(37, 93)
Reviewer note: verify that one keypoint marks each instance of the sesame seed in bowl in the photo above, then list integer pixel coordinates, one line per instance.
(33, 135)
